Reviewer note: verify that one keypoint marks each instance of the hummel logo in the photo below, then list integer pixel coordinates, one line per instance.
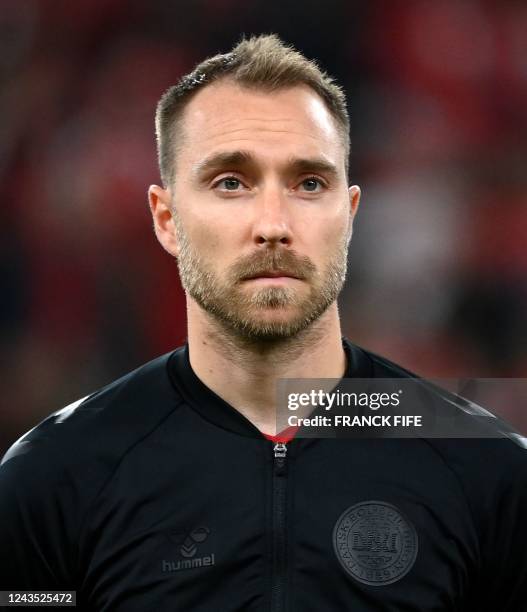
(188, 547)
(197, 536)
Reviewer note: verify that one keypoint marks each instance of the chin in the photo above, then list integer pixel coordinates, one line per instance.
(273, 327)
(282, 315)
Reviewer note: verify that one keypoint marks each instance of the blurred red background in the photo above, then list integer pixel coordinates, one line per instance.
(437, 95)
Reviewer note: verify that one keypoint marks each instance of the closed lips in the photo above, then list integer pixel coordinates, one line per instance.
(270, 274)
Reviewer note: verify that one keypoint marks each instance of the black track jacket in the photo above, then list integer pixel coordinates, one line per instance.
(153, 494)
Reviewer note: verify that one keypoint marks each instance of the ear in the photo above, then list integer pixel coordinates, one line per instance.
(354, 195)
(159, 200)
(354, 198)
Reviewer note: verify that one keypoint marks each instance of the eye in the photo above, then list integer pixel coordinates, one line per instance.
(228, 183)
(312, 184)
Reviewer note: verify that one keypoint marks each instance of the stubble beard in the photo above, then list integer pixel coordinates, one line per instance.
(244, 313)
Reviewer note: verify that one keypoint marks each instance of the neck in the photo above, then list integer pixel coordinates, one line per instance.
(244, 372)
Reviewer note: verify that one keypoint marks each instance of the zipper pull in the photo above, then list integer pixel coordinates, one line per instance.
(280, 450)
(280, 454)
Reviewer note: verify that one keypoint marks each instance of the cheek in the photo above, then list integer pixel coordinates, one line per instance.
(210, 240)
(222, 230)
(331, 235)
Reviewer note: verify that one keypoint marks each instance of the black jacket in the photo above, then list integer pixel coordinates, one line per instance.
(153, 494)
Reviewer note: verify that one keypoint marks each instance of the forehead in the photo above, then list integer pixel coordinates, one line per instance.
(289, 122)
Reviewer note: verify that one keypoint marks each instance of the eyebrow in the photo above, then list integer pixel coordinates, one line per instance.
(220, 161)
(240, 159)
(314, 164)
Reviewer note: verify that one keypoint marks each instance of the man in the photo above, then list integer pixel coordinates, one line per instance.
(171, 489)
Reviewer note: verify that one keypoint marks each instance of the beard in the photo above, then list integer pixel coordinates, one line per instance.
(266, 313)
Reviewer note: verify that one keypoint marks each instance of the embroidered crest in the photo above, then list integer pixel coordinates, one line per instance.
(375, 543)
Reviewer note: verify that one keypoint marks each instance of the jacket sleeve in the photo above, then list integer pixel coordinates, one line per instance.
(35, 549)
(504, 539)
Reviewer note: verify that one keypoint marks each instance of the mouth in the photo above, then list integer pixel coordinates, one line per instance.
(271, 274)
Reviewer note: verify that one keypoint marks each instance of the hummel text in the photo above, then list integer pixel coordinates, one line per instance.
(183, 564)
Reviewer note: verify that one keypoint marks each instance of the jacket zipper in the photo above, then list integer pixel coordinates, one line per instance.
(278, 590)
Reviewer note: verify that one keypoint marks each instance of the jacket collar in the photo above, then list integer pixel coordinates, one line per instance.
(216, 410)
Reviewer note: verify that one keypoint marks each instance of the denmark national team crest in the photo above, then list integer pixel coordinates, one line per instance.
(375, 543)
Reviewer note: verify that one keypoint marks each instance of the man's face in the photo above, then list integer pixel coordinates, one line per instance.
(261, 208)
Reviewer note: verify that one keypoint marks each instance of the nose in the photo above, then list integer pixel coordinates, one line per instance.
(272, 224)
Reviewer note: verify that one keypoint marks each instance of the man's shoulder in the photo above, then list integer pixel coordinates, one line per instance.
(495, 459)
(378, 366)
(96, 430)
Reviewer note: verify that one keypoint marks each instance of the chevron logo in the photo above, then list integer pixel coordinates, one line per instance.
(188, 542)
(188, 546)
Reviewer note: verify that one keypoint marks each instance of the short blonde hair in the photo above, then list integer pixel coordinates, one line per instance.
(262, 62)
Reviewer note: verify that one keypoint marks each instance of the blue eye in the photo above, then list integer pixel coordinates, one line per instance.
(311, 184)
(229, 184)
